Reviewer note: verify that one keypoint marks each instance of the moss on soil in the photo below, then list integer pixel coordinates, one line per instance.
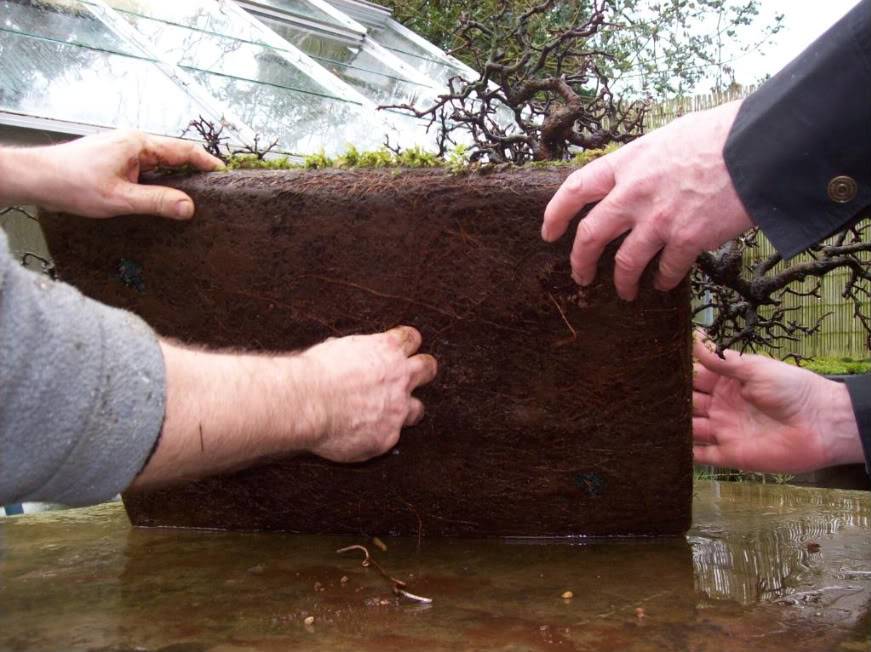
(457, 161)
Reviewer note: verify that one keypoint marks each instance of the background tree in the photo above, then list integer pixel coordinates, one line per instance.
(561, 78)
(543, 86)
(557, 76)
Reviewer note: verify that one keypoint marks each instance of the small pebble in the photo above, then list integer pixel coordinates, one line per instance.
(639, 612)
(319, 586)
(379, 544)
(344, 579)
(568, 595)
(309, 621)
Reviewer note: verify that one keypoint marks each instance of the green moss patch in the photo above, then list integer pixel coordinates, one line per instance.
(837, 366)
(457, 161)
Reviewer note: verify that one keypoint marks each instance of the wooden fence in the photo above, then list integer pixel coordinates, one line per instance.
(841, 336)
(662, 113)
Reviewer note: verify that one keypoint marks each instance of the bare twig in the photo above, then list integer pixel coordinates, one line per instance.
(749, 300)
(212, 136)
(399, 587)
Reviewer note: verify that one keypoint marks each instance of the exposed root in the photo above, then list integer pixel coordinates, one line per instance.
(574, 333)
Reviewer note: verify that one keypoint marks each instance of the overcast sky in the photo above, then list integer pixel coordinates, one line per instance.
(803, 22)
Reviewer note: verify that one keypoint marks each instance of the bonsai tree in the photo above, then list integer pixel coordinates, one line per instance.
(544, 85)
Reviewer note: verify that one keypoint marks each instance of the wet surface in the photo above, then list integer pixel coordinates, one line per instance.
(764, 568)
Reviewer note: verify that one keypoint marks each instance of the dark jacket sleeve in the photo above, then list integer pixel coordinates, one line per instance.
(81, 391)
(799, 152)
(860, 396)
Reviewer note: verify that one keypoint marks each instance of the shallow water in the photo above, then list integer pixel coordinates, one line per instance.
(763, 568)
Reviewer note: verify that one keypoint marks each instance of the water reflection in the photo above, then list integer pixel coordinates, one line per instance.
(764, 568)
(778, 539)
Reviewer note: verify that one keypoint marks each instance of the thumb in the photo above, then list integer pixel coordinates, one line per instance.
(734, 365)
(158, 200)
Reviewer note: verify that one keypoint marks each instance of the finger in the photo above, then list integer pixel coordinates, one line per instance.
(603, 224)
(703, 431)
(423, 369)
(159, 150)
(408, 339)
(704, 380)
(155, 200)
(675, 263)
(630, 261)
(585, 186)
(701, 404)
(415, 413)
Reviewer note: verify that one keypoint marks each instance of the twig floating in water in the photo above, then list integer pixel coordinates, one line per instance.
(399, 587)
(412, 596)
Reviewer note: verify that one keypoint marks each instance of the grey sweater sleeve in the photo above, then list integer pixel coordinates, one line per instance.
(82, 391)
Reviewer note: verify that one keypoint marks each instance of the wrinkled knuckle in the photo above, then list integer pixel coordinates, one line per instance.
(671, 270)
(164, 202)
(626, 262)
(683, 240)
(658, 221)
(574, 184)
(643, 186)
(586, 235)
(133, 136)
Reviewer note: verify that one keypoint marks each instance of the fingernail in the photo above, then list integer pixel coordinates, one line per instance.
(184, 209)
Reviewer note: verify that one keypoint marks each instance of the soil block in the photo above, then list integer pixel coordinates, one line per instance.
(558, 410)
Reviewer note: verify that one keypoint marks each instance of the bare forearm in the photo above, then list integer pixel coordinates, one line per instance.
(25, 176)
(345, 400)
(228, 410)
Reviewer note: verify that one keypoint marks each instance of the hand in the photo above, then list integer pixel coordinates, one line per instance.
(97, 176)
(345, 400)
(759, 414)
(670, 190)
(365, 383)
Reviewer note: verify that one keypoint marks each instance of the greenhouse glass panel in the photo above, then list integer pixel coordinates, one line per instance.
(304, 123)
(300, 8)
(428, 63)
(353, 64)
(204, 15)
(207, 52)
(60, 20)
(256, 81)
(57, 76)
